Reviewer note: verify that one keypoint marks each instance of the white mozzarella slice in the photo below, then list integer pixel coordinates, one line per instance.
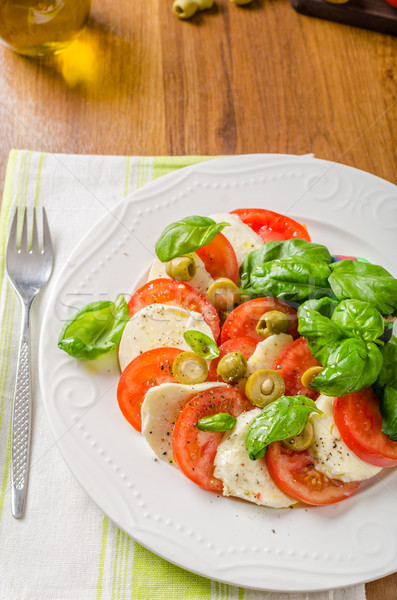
(156, 326)
(265, 355)
(331, 455)
(160, 409)
(201, 281)
(242, 477)
(241, 236)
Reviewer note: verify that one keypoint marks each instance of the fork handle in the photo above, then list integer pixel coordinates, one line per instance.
(21, 421)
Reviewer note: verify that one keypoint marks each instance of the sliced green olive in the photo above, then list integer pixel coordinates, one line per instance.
(223, 294)
(309, 376)
(264, 386)
(301, 441)
(271, 322)
(189, 368)
(181, 268)
(232, 367)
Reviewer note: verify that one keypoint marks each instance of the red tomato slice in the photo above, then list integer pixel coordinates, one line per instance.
(219, 258)
(246, 345)
(267, 224)
(292, 363)
(243, 320)
(145, 371)
(359, 422)
(194, 450)
(294, 473)
(175, 293)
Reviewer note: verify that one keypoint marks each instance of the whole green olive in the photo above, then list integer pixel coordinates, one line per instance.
(232, 367)
(301, 441)
(272, 322)
(190, 368)
(181, 268)
(223, 294)
(264, 386)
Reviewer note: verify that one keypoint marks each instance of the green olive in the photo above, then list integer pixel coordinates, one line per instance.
(301, 441)
(242, 2)
(223, 294)
(264, 386)
(232, 367)
(189, 368)
(181, 268)
(271, 322)
(184, 9)
(309, 376)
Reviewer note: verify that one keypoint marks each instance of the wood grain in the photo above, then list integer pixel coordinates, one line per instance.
(262, 78)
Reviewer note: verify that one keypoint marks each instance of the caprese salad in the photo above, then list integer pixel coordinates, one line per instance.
(253, 360)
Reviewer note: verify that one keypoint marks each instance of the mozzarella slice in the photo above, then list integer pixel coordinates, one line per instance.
(241, 236)
(160, 409)
(242, 477)
(331, 455)
(201, 281)
(156, 326)
(265, 355)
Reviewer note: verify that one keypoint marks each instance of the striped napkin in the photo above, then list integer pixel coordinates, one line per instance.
(65, 548)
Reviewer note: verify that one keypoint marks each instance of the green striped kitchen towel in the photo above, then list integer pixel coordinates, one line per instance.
(65, 548)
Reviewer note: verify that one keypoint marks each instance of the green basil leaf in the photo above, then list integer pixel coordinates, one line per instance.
(294, 279)
(282, 249)
(324, 306)
(279, 420)
(351, 366)
(388, 410)
(388, 372)
(364, 281)
(95, 329)
(185, 236)
(322, 334)
(201, 344)
(359, 319)
(219, 422)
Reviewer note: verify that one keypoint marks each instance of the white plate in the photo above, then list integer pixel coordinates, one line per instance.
(354, 541)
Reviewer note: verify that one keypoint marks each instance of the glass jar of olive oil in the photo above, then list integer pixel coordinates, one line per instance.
(41, 27)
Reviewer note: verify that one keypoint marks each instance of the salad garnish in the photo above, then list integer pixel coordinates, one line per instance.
(280, 420)
(95, 329)
(201, 344)
(218, 422)
(185, 236)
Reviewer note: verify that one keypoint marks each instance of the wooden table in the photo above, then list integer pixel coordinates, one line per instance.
(261, 78)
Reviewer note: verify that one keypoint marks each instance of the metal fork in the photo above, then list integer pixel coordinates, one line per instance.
(28, 271)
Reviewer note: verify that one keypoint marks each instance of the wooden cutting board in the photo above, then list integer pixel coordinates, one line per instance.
(377, 15)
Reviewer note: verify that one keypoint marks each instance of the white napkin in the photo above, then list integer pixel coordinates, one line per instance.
(65, 548)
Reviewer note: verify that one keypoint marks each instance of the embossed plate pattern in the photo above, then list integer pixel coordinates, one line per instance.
(351, 212)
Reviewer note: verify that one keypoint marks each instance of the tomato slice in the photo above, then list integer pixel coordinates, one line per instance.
(292, 363)
(243, 320)
(194, 450)
(219, 258)
(145, 371)
(294, 473)
(246, 345)
(175, 293)
(359, 422)
(270, 225)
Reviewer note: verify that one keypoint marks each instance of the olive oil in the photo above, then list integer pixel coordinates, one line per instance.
(41, 27)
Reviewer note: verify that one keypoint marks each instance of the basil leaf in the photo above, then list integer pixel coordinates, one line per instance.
(282, 249)
(322, 334)
(388, 372)
(95, 329)
(279, 420)
(219, 422)
(186, 235)
(364, 281)
(359, 319)
(290, 279)
(201, 344)
(351, 366)
(324, 306)
(388, 410)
